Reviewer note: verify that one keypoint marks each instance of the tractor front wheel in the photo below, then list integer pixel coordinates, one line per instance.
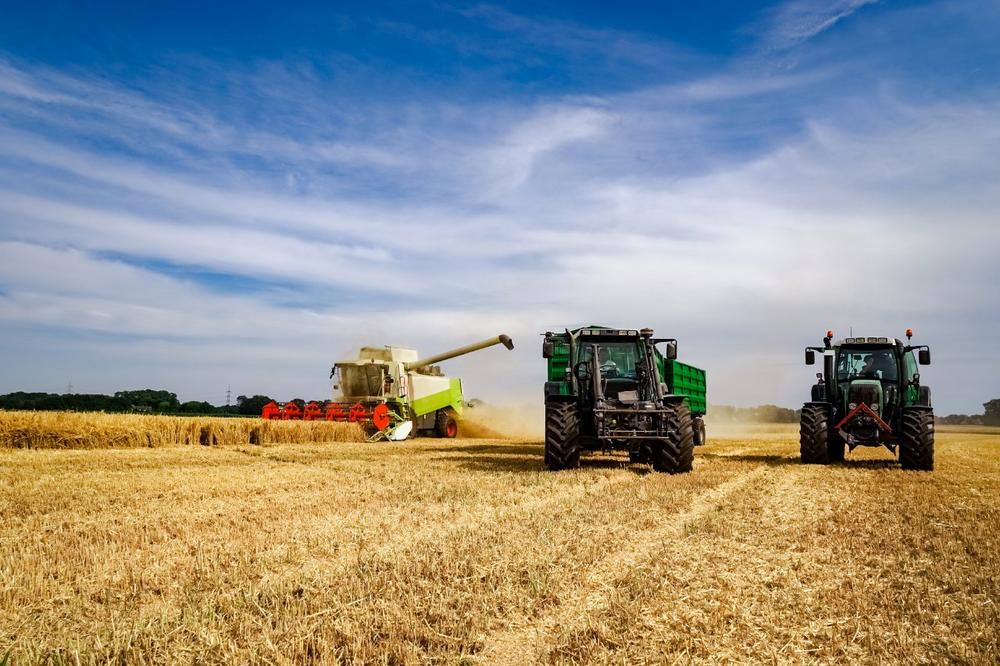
(916, 442)
(562, 436)
(445, 424)
(816, 445)
(674, 453)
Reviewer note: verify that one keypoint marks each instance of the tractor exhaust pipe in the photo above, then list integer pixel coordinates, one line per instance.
(467, 349)
(829, 378)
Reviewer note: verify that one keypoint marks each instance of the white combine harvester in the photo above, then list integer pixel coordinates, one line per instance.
(392, 392)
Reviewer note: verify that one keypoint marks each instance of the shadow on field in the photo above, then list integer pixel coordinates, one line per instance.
(770, 460)
(522, 458)
(869, 464)
(502, 449)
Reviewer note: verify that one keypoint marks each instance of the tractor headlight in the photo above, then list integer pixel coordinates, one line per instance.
(875, 406)
(852, 406)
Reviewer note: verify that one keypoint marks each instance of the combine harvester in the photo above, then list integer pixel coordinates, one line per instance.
(391, 392)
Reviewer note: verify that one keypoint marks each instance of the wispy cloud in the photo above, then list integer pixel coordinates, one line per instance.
(799, 20)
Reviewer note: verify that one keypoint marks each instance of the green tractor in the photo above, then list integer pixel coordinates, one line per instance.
(869, 394)
(612, 389)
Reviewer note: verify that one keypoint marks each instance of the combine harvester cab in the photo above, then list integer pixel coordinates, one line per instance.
(393, 393)
(869, 394)
(612, 389)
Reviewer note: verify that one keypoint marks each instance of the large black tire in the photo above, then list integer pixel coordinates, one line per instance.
(674, 454)
(562, 436)
(916, 441)
(818, 445)
(445, 424)
(700, 436)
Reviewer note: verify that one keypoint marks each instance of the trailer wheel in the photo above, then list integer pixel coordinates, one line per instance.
(816, 446)
(674, 453)
(562, 436)
(700, 436)
(916, 445)
(445, 424)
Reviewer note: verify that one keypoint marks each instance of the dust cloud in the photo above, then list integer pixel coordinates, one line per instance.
(523, 421)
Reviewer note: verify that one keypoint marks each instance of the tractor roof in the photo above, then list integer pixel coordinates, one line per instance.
(865, 341)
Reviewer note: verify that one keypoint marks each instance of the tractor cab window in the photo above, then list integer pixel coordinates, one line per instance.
(867, 364)
(909, 366)
(617, 359)
(357, 381)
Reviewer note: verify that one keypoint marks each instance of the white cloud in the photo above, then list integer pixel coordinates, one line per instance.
(799, 20)
(536, 217)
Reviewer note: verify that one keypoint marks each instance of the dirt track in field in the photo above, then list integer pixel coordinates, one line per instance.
(468, 551)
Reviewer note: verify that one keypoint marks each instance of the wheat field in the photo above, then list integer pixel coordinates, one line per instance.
(467, 551)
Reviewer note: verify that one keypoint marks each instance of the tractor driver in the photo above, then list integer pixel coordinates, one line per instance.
(608, 367)
(879, 364)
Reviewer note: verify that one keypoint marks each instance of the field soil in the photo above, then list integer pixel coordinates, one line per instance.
(467, 551)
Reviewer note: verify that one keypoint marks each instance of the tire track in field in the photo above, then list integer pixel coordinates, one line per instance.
(513, 645)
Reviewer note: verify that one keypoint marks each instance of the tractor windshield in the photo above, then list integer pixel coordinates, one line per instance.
(867, 364)
(617, 359)
(358, 381)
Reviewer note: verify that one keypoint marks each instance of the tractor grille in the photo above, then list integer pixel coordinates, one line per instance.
(865, 393)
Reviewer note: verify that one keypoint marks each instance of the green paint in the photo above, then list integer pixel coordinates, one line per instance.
(450, 397)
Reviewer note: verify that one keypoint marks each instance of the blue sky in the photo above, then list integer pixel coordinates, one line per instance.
(194, 198)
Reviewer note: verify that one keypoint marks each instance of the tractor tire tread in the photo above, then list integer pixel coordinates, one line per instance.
(562, 436)
(674, 454)
(916, 442)
(815, 435)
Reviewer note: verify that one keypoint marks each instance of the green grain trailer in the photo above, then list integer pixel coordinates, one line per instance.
(613, 389)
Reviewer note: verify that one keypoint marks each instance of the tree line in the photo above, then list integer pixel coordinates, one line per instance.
(142, 401)
(164, 402)
(990, 416)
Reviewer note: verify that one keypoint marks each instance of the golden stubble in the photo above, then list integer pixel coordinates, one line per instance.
(457, 551)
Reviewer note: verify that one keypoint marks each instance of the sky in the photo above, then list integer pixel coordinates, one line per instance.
(237, 195)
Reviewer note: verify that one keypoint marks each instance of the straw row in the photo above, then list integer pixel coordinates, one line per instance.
(82, 430)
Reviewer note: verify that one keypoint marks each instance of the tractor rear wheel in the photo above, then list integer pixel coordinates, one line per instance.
(445, 424)
(699, 431)
(916, 442)
(562, 436)
(817, 445)
(674, 453)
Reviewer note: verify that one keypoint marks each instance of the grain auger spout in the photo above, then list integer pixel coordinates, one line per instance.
(461, 351)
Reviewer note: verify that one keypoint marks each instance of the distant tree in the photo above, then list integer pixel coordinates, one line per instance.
(197, 407)
(991, 413)
(161, 401)
(252, 405)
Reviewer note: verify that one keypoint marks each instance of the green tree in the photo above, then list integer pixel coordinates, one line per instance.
(991, 413)
(252, 405)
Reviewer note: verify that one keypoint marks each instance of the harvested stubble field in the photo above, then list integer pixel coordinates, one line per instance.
(467, 551)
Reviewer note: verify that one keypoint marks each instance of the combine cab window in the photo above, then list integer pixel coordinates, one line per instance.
(867, 364)
(359, 381)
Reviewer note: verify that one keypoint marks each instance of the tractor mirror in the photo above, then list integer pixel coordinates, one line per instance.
(924, 356)
(810, 357)
(548, 349)
(672, 350)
